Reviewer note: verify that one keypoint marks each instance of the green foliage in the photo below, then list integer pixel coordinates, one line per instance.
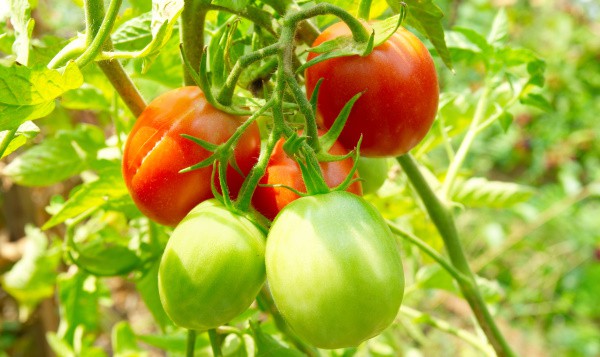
(56, 159)
(29, 93)
(33, 277)
(25, 131)
(525, 197)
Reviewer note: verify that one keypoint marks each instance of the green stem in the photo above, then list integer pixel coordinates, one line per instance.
(364, 9)
(94, 11)
(461, 154)
(446, 327)
(310, 127)
(7, 139)
(72, 50)
(444, 221)
(192, 22)
(360, 34)
(429, 251)
(258, 171)
(215, 344)
(226, 93)
(248, 15)
(191, 343)
(113, 70)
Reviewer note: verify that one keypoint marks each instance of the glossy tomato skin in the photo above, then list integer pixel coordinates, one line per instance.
(155, 152)
(400, 93)
(212, 268)
(334, 269)
(283, 170)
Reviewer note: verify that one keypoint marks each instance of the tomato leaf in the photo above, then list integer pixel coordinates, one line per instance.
(90, 196)
(474, 37)
(268, 346)
(134, 34)
(78, 294)
(426, 17)
(101, 249)
(479, 192)
(26, 131)
(22, 24)
(432, 276)
(148, 33)
(57, 158)
(499, 32)
(86, 97)
(536, 100)
(33, 277)
(28, 93)
(124, 340)
(147, 286)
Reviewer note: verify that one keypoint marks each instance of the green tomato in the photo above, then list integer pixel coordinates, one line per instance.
(334, 269)
(212, 268)
(373, 172)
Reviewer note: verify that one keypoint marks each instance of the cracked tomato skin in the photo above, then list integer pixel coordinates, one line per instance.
(283, 170)
(212, 268)
(400, 92)
(155, 152)
(334, 269)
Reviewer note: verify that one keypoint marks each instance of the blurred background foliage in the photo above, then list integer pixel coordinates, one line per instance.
(539, 259)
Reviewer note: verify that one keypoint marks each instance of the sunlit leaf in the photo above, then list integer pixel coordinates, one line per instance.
(26, 131)
(92, 195)
(57, 158)
(479, 192)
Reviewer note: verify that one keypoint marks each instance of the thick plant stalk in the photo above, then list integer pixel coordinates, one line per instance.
(112, 69)
(193, 17)
(444, 221)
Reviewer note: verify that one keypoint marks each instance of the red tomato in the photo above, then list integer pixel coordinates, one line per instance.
(155, 152)
(283, 170)
(400, 96)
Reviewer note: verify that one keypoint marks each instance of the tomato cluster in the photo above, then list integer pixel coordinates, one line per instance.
(330, 259)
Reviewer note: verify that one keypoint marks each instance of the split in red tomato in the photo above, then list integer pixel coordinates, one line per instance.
(155, 152)
(283, 170)
(400, 92)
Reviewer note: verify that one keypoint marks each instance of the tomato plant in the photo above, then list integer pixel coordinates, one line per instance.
(155, 152)
(283, 170)
(212, 268)
(400, 92)
(334, 269)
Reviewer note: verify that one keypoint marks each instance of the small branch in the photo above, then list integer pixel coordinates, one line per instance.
(458, 276)
(360, 34)
(461, 154)
(446, 327)
(94, 11)
(103, 32)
